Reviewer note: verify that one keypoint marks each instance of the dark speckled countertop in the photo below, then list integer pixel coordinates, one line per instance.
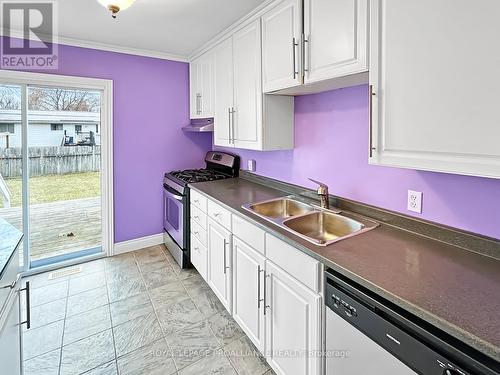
(9, 239)
(454, 289)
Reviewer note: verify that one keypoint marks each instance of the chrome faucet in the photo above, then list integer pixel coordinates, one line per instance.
(323, 194)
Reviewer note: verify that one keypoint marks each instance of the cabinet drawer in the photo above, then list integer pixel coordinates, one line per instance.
(296, 263)
(219, 214)
(249, 233)
(198, 200)
(198, 216)
(9, 276)
(199, 256)
(198, 231)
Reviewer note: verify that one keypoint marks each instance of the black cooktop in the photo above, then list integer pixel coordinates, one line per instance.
(198, 175)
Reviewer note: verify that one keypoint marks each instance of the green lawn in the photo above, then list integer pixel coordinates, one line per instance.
(51, 188)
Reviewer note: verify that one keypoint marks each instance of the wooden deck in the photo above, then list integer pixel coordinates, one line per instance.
(52, 222)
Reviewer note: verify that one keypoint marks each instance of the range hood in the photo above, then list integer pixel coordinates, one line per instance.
(200, 125)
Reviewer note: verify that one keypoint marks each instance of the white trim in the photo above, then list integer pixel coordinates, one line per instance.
(242, 22)
(138, 243)
(106, 87)
(106, 47)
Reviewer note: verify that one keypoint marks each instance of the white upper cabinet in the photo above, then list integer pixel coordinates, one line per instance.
(247, 110)
(244, 116)
(281, 46)
(435, 78)
(223, 60)
(201, 86)
(336, 38)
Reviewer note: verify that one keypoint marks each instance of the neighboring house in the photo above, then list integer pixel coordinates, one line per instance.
(47, 128)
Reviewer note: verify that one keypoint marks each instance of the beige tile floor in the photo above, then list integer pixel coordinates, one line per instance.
(136, 313)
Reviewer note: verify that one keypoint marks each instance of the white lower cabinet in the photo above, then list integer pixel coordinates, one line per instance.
(248, 291)
(277, 303)
(293, 324)
(199, 256)
(10, 337)
(219, 262)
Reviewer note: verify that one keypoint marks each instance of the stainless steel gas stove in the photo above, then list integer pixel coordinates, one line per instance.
(176, 216)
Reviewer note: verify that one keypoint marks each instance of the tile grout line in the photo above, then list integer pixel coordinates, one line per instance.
(156, 313)
(64, 329)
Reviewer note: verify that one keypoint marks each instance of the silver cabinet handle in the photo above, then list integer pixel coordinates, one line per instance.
(225, 260)
(197, 201)
(28, 305)
(229, 122)
(198, 104)
(266, 306)
(232, 123)
(371, 94)
(259, 300)
(196, 233)
(216, 214)
(196, 217)
(294, 46)
(306, 55)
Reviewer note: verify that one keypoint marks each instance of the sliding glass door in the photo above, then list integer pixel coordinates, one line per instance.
(11, 168)
(50, 155)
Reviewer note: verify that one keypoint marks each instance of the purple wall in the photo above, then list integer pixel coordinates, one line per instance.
(331, 145)
(151, 104)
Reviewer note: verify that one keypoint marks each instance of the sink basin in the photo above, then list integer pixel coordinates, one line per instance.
(280, 208)
(323, 227)
(315, 224)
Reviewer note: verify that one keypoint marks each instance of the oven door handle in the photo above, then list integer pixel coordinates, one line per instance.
(174, 193)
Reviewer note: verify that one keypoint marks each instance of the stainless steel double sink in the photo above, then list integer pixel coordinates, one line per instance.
(317, 225)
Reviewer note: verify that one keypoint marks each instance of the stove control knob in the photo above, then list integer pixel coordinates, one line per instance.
(450, 371)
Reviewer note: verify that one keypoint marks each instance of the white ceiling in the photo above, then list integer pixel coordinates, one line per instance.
(163, 27)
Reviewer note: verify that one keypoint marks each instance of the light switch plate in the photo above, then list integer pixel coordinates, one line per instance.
(251, 165)
(415, 201)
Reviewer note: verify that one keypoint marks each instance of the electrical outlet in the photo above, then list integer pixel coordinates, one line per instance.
(415, 201)
(251, 165)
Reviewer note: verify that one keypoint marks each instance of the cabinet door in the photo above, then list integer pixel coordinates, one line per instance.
(219, 262)
(281, 46)
(10, 338)
(293, 324)
(199, 256)
(207, 84)
(248, 292)
(336, 32)
(223, 63)
(435, 102)
(247, 87)
(195, 89)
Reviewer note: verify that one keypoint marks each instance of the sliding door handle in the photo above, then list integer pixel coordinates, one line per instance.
(28, 305)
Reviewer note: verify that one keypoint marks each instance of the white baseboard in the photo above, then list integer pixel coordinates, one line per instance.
(137, 243)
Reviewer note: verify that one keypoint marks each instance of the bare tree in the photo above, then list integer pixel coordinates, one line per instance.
(10, 97)
(58, 99)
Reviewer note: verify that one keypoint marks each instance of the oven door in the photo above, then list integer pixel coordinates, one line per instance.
(173, 215)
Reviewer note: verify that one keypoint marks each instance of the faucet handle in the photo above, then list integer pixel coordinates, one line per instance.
(321, 184)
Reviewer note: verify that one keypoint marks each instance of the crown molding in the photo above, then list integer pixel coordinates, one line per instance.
(106, 47)
(243, 21)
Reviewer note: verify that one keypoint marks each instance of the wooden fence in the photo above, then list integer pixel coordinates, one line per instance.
(51, 160)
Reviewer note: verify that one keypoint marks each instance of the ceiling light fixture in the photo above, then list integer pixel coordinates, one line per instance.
(114, 6)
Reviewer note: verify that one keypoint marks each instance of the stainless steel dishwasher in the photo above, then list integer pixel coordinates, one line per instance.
(366, 334)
